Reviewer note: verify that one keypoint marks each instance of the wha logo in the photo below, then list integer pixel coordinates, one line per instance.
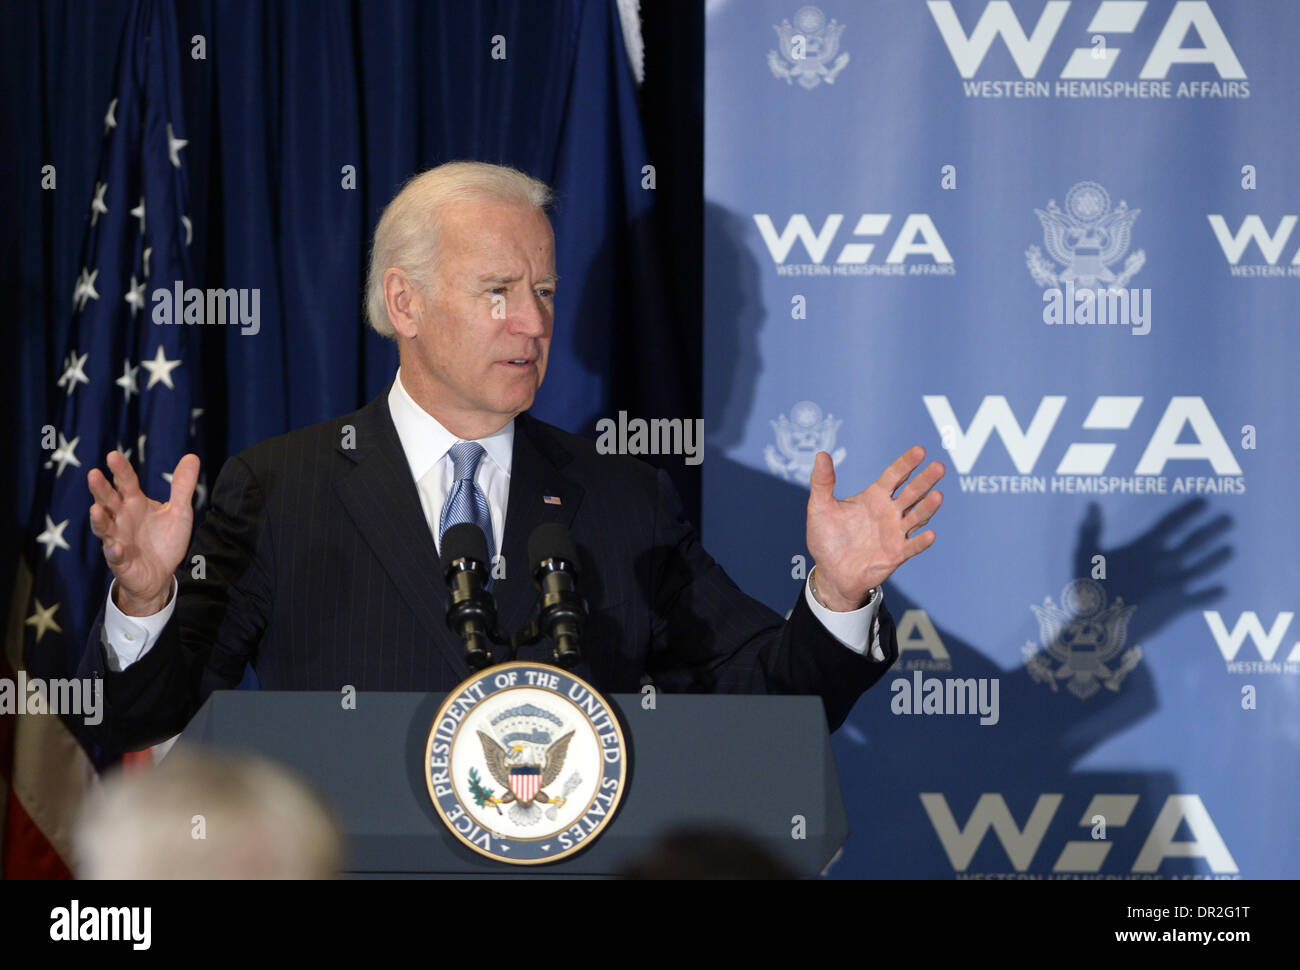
(916, 237)
(1084, 468)
(1078, 858)
(1211, 70)
(1271, 245)
(1268, 643)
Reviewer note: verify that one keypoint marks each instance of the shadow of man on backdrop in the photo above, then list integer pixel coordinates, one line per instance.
(1028, 762)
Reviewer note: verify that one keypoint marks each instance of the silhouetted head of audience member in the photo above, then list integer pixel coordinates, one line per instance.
(206, 815)
(704, 853)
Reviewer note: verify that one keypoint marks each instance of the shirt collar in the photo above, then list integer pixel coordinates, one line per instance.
(425, 441)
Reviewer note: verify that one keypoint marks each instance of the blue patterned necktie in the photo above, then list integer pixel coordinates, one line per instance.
(466, 501)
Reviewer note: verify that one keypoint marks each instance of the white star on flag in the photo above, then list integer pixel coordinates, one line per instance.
(85, 289)
(135, 295)
(73, 372)
(52, 537)
(189, 229)
(138, 212)
(109, 120)
(200, 489)
(160, 369)
(174, 145)
(127, 382)
(97, 203)
(148, 251)
(43, 620)
(64, 455)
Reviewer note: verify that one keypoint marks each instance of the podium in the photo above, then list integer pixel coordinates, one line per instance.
(745, 763)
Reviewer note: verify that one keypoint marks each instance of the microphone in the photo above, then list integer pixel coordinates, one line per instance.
(471, 611)
(555, 570)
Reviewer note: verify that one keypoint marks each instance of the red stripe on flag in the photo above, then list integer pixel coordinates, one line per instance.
(7, 722)
(6, 737)
(26, 852)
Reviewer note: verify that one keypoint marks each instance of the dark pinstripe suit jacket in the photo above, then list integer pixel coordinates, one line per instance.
(321, 572)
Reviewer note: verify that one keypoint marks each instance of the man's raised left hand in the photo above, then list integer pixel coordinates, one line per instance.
(859, 541)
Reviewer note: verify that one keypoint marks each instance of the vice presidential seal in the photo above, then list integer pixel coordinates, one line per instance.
(525, 763)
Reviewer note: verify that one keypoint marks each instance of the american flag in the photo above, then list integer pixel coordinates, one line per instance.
(124, 382)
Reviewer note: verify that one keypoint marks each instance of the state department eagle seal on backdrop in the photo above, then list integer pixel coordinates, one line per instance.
(1085, 238)
(1084, 636)
(810, 49)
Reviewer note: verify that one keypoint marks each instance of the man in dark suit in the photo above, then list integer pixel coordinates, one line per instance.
(318, 559)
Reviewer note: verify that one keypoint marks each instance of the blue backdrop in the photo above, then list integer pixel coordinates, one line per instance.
(898, 195)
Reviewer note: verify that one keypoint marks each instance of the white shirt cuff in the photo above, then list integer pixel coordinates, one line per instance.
(128, 638)
(853, 629)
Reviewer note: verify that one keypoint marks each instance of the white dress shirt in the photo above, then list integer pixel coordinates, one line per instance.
(426, 444)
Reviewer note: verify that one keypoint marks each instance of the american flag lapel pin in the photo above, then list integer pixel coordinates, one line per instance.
(552, 500)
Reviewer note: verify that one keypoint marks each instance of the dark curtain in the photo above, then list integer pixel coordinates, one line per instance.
(282, 102)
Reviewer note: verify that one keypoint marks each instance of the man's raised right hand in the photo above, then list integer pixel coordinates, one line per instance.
(144, 541)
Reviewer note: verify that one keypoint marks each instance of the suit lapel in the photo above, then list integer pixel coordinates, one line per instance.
(381, 497)
(534, 474)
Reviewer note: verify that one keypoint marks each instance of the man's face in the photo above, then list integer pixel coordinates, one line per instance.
(484, 325)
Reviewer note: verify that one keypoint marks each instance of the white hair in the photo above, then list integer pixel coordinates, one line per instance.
(407, 234)
(206, 816)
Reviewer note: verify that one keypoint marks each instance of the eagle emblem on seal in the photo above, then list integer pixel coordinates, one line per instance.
(810, 49)
(525, 769)
(1085, 636)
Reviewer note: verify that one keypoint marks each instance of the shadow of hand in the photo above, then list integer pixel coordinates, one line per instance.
(1156, 570)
